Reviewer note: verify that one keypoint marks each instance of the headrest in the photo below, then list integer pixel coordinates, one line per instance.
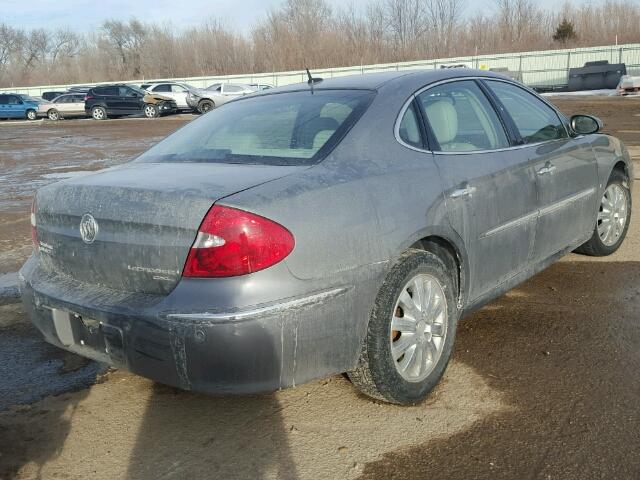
(443, 119)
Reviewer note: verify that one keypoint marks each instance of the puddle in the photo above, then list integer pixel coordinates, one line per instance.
(61, 175)
(8, 280)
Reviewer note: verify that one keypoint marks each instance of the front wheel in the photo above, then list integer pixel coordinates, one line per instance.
(53, 114)
(612, 221)
(411, 331)
(151, 111)
(32, 114)
(205, 105)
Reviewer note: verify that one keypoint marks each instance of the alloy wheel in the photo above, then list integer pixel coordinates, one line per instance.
(418, 327)
(150, 111)
(612, 216)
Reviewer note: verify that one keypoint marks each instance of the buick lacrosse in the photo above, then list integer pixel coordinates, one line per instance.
(343, 225)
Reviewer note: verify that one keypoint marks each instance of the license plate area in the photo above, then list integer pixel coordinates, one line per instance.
(89, 337)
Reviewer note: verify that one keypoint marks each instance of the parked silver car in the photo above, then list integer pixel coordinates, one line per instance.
(341, 226)
(217, 94)
(64, 106)
(176, 91)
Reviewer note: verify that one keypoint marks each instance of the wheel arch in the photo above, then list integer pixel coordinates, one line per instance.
(448, 246)
(621, 167)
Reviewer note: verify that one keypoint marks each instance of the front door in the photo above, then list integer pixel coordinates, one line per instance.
(131, 100)
(490, 190)
(565, 167)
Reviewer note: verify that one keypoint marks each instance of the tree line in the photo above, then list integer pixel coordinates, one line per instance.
(301, 33)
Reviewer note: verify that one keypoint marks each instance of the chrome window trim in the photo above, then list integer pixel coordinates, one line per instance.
(405, 106)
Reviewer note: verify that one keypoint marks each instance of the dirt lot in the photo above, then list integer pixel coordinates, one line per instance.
(544, 383)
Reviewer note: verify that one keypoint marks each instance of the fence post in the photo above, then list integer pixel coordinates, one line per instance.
(568, 65)
(520, 69)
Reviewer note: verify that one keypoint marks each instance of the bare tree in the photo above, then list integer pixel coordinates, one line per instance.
(299, 33)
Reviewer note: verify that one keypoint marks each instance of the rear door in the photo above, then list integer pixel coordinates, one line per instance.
(490, 188)
(565, 166)
(76, 105)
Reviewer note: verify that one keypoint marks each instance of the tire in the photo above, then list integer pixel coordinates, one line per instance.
(32, 114)
(150, 111)
(98, 113)
(379, 370)
(205, 105)
(617, 200)
(53, 114)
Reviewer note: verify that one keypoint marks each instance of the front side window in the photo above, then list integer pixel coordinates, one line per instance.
(409, 130)
(461, 118)
(293, 128)
(13, 100)
(535, 120)
(178, 89)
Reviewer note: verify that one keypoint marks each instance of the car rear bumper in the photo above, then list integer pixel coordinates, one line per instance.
(255, 349)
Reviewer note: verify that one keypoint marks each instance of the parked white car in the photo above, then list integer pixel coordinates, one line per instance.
(63, 106)
(176, 91)
(217, 94)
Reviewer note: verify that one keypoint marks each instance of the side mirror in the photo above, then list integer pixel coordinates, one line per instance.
(586, 124)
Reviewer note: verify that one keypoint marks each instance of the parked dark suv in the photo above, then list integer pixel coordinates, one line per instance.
(117, 100)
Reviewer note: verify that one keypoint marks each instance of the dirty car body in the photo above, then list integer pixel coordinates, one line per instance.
(355, 176)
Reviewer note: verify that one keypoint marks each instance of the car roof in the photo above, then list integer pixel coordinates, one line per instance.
(409, 79)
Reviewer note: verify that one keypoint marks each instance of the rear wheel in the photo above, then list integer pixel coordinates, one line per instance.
(613, 218)
(411, 331)
(151, 111)
(205, 105)
(98, 113)
(53, 114)
(32, 114)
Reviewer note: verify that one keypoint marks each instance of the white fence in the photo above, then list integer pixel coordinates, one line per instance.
(542, 68)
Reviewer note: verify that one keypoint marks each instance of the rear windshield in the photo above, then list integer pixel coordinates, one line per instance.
(292, 128)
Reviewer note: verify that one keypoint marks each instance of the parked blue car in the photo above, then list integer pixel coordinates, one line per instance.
(13, 105)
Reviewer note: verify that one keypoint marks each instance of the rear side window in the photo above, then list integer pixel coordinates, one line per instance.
(292, 128)
(233, 89)
(4, 99)
(113, 91)
(461, 118)
(536, 121)
(162, 88)
(409, 129)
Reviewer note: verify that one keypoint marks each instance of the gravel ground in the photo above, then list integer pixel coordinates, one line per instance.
(544, 382)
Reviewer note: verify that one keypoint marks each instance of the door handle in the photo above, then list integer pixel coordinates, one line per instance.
(463, 192)
(547, 169)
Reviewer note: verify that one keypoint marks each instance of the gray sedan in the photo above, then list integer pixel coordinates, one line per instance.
(341, 226)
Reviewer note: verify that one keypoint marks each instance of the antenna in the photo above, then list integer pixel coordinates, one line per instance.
(312, 80)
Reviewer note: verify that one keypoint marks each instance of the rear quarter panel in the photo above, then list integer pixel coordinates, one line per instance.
(352, 216)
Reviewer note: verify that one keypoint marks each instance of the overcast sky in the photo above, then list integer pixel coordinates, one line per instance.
(84, 15)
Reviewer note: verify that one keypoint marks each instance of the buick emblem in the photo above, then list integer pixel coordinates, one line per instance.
(88, 228)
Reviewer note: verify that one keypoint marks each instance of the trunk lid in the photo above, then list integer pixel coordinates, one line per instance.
(145, 219)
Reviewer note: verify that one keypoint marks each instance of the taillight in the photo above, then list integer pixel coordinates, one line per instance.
(87, 97)
(233, 242)
(34, 230)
